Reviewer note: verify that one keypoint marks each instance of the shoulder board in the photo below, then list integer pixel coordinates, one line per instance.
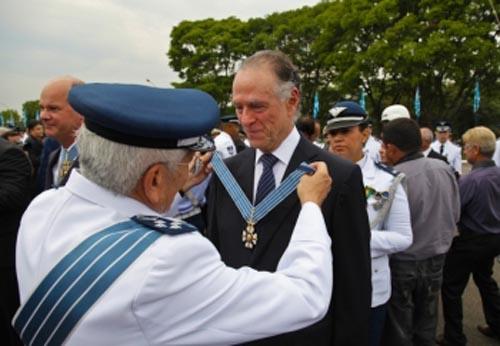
(164, 225)
(387, 169)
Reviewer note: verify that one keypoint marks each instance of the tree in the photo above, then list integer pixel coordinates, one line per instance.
(31, 109)
(388, 47)
(11, 117)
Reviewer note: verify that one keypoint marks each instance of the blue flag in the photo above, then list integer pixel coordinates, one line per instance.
(316, 106)
(477, 97)
(362, 98)
(416, 104)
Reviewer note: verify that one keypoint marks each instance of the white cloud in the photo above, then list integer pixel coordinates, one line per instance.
(107, 41)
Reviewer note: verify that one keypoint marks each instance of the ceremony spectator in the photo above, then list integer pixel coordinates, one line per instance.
(61, 122)
(426, 149)
(445, 147)
(478, 243)
(14, 136)
(266, 96)
(33, 145)
(15, 194)
(135, 278)
(434, 208)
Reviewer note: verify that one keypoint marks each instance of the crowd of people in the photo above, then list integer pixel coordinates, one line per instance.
(153, 220)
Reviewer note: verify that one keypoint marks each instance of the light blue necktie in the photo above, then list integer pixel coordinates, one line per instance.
(266, 181)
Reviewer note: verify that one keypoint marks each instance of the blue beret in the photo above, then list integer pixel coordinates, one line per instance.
(144, 116)
(443, 126)
(345, 114)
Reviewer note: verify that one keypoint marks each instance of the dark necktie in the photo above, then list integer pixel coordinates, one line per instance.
(266, 181)
(441, 149)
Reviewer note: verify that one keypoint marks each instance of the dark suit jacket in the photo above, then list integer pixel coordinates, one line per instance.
(347, 322)
(15, 195)
(435, 155)
(49, 173)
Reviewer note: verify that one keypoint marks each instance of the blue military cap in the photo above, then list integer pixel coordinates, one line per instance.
(148, 117)
(345, 114)
(443, 126)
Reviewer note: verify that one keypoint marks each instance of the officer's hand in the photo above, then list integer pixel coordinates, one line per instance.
(315, 187)
(199, 169)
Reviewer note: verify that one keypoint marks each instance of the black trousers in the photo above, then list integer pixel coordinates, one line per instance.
(9, 302)
(470, 253)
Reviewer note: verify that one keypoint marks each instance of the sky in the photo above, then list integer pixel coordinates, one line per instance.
(122, 41)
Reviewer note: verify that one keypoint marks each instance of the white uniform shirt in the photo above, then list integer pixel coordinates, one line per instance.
(224, 144)
(452, 152)
(178, 292)
(373, 145)
(394, 234)
(496, 155)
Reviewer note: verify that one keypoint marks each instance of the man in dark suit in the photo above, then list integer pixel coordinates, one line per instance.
(15, 194)
(61, 123)
(427, 138)
(266, 97)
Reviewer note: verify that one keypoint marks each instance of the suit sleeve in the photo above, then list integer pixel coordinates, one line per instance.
(352, 263)
(15, 174)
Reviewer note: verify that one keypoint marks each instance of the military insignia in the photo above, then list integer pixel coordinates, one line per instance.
(164, 225)
(248, 236)
(380, 197)
(335, 111)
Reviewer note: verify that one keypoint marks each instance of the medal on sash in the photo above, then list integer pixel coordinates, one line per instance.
(250, 213)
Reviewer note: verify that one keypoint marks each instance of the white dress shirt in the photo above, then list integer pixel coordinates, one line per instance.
(284, 153)
(392, 235)
(178, 292)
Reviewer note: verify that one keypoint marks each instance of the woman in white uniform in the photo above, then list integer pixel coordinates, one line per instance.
(387, 204)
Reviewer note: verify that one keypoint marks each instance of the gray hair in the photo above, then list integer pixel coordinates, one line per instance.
(282, 66)
(118, 167)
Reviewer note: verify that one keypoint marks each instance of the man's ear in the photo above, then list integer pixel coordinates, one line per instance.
(151, 183)
(294, 100)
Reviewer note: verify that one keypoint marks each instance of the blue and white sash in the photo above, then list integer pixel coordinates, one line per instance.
(72, 287)
(250, 213)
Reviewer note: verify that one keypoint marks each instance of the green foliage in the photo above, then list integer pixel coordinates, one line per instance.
(11, 117)
(389, 47)
(31, 109)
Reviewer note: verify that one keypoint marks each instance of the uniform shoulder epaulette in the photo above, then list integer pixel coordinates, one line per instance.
(387, 169)
(164, 225)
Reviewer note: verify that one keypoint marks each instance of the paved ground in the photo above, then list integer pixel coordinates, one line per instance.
(473, 314)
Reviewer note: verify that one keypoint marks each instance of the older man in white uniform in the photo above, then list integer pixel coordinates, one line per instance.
(134, 154)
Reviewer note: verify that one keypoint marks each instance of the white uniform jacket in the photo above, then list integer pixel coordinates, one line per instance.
(452, 152)
(393, 234)
(373, 145)
(178, 292)
(224, 144)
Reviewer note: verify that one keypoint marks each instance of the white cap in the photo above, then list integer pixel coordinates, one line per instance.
(395, 112)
